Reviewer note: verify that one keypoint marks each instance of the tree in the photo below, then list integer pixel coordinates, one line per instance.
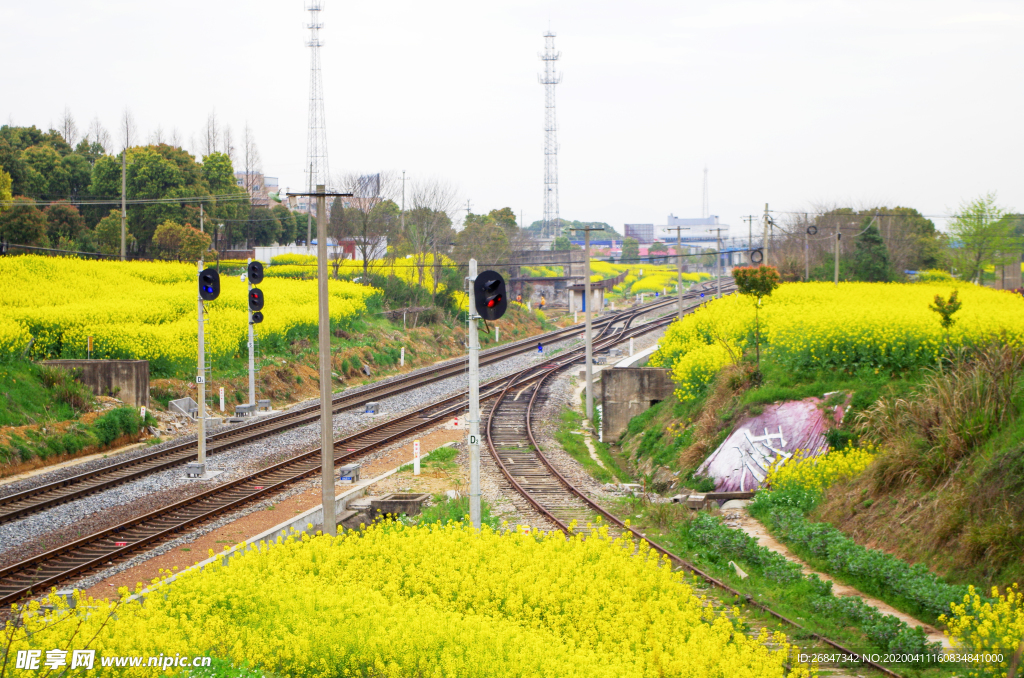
(23, 223)
(108, 234)
(428, 225)
(370, 217)
(657, 246)
(561, 244)
(486, 242)
(5, 191)
(63, 221)
(183, 243)
(264, 228)
(757, 282)
(871, 257)
(505, 218)
(981, 237)
(68, 128)
(630, 249)
(287, 221)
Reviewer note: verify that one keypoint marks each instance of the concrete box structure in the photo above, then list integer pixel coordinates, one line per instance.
(576, 299)
(629, 391)
(127, 380)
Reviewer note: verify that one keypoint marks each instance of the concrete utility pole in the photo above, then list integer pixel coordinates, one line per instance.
(324, 338)
(679, 258)
(764, 259)
(750, 234)
(326, 418)
(201, 229)
(474, 404)
(403, 201)
(807, 257)
(718, 262)
(252, 364)
(201, 382)
(588, 304)
(839, 236)
(309, 211)
(124, 210)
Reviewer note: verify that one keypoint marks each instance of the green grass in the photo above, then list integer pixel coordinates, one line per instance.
(37, 394)
(576, 447)
(445, 510)
(443, 459)
(102, 432)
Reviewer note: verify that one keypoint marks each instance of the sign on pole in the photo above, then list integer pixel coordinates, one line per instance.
(416, 457)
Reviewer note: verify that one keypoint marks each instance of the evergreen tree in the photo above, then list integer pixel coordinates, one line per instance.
(871, 258)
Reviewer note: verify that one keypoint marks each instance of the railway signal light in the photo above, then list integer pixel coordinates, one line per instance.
(257, 317)
(255, 272)
(490, 296)
(209, 284)
(255, 299)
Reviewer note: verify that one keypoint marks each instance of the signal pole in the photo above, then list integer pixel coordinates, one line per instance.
(588, 304)
(474, 403)
(839, 235)
(679, 257)
(200, 380)
(252, 365)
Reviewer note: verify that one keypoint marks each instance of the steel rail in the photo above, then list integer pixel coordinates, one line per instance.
(611, 518)
(43, 497)
(114, 543)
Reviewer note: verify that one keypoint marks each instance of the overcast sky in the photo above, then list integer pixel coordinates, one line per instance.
(786, 102)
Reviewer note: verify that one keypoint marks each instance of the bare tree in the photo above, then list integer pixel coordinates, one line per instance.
(68, 128)
(176, 138)
(157, 135)
(129, 130)
(99, 135)
(370, 216)
(428, 226)
(227, 144)
(251, 177)
(210, 135)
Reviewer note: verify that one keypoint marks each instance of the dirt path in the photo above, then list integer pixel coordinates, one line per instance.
(744, 521)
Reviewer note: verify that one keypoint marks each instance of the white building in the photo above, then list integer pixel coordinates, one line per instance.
(696, 232)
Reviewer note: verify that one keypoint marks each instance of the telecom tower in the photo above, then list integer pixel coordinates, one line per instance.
(549, 79)
(316, 168)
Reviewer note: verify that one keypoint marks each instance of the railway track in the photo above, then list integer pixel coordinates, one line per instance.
(44, 497)
(116, 543)
(509, 433)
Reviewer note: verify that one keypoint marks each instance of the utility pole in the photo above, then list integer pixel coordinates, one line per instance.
(201, 229)
(124, 211)
(324, 338)
(403, 201)
(750, 234)
(718, 262)
(252, 363)
(679, 257)
(474, 403)
(309, 211)
(807, 257)
(839, 235)
(588, 304)
(764, 259)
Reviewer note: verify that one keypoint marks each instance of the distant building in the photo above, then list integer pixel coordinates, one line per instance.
(701, 232)
(255, 184)
(644, 233)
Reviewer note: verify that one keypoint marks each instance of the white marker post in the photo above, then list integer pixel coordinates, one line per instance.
(221, 398)
(415, 457)
(474, 404)
(497, 334)
(401, 358)
(631, 346)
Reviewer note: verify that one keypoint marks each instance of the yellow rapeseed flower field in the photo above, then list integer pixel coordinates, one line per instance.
(809, 326)
(979, 626)
(147, 310)
(817, 474)
(431, 601)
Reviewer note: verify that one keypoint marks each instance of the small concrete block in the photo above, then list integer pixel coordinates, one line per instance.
(366, 369)
(735, 503)
(741, 573)
(244, 410)
(349, 473)
(194, 469)
(696, 501)
(451, 494)
(372, 407)
(398, 504)
(263, 405)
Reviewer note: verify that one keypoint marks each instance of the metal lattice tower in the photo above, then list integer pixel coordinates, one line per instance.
(317, 170)
(549, 79)
(705, 210)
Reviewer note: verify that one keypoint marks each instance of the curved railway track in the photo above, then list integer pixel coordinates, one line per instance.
(43, 497)
(514, 449)
(116, 543)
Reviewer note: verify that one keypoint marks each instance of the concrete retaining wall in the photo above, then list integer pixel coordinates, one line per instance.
(127, 380)
(629, 391)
